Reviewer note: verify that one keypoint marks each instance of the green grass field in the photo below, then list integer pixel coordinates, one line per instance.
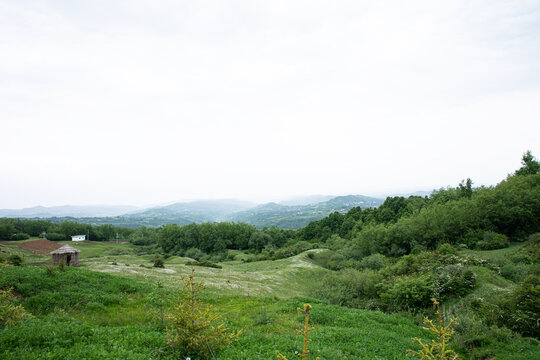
(101, 310)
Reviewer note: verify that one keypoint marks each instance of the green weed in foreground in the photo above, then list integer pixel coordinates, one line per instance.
(68, 338)
(10, 314)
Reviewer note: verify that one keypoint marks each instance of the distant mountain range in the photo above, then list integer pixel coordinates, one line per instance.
(291, 214)
(68, 210)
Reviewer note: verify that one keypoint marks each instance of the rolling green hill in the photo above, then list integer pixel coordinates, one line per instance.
(295, 217)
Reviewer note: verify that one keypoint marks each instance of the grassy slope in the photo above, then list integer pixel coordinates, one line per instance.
(260, 297)
(116, 322)
(282, 278)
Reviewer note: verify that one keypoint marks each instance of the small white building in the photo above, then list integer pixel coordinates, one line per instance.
(78, 237)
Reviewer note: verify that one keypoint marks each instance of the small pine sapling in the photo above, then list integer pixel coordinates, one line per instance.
(192, 328)
(304, 332)
(160, 299)
(437, 350)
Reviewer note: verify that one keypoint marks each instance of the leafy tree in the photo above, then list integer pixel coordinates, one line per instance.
(258, 240)
(531, 166)
(465, 188)
(6, 229)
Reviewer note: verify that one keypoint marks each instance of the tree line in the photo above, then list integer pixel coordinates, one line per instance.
(454, 215)
(21, 229)
(460, 215)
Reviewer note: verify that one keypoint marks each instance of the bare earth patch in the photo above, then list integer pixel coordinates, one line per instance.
(41, 246)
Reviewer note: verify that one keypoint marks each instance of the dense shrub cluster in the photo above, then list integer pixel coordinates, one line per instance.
(518, 311)
(407, 284)
(453, 280)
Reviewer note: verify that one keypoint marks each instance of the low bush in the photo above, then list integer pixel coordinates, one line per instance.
(351, 287)
(194, 253)
(518, 272)
(453, 280)
(159, 263)
(56, 237)
(373, 262)
(293, 249)
(205, 263)
(492, 241)
(15, 260)
(521, 310)
(20, 236)
(532, 248)
(447, 249)
(410, 293)
(116, 252)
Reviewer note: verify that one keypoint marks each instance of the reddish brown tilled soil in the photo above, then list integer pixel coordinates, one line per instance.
(41, 246)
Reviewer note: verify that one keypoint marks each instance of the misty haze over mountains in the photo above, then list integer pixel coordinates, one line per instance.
(69, 210)
(290, 214)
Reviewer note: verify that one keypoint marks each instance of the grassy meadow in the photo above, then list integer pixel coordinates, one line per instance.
(101, 310)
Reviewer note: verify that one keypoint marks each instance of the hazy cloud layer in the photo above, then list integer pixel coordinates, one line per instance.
(141, 102)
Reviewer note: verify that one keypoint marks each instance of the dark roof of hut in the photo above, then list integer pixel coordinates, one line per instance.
(66, 249)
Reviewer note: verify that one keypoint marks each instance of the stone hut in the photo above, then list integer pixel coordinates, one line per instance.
(69, 254)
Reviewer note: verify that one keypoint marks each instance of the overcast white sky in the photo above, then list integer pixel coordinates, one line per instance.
(145, 102)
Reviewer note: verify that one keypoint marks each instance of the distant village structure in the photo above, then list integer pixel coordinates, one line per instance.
(78, 237)
(66, 253)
